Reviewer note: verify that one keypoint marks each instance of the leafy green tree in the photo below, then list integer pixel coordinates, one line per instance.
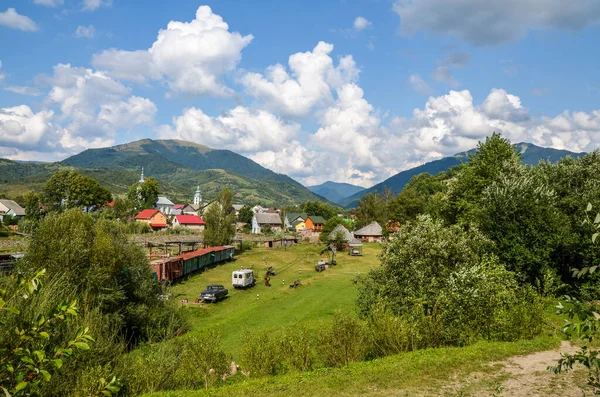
(245, 215)
(33, 201)
(328, 227)
(372, 207)
(220, 220)
(144, 195)
(318, 208)
(69, 189)
(407, 205)
(485, 166)
(518, 213)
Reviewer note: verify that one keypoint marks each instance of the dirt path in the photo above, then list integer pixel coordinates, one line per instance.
(521, 376)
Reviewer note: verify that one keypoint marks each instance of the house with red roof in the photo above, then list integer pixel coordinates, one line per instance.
(192, 222)
(156, 219)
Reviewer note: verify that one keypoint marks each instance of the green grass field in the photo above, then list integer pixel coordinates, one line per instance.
(312, 303)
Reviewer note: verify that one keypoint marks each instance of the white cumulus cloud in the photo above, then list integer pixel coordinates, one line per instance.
(12, 19)
(93, 5)
(87, 32)
(361, 23)
(312, 76)
(192, 56)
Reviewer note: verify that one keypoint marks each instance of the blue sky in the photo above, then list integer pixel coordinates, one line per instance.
(351, 91)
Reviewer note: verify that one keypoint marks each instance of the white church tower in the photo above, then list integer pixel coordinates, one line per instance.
(197, 196)
(142, 177)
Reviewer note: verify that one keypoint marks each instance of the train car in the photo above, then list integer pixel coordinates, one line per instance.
(171, 269)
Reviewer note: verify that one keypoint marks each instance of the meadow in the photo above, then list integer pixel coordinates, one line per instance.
(312, 303)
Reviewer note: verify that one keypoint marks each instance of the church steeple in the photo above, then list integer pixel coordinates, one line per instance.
(142, 177)
(197, 196)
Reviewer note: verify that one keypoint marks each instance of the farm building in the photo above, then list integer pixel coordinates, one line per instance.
(192, 222)
(171, 269)
(352, 242)
(9, 208)
(190, 209)
(281, 242)
(261, 219)
(371, 233)
(315, 223)
(156, 219)
(165, 205)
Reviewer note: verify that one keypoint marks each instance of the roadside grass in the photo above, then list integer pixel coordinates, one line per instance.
(312, 303)
(422, 373)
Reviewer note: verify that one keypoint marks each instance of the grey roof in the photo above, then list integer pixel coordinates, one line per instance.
(264, 218)
(372, 229)
(349, 238)
(176, 212)
(11, 205)
(238, 207)
(162, 200)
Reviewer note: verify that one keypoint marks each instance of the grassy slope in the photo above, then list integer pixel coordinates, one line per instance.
(416, 373)
(315, 301)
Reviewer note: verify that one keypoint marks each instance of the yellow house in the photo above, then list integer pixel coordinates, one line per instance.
(300, 225)
(156, 219)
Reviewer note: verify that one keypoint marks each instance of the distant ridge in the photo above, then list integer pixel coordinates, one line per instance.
(178, 165)
(335, 191)
(531, 155)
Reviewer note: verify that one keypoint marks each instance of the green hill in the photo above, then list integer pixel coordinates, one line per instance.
(531, 155)
(178, 166)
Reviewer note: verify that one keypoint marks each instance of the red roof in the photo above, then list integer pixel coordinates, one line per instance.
(146, 214)
(110, 203)
(201, 252)
(158, 225)
(178, 206)
(189, 220)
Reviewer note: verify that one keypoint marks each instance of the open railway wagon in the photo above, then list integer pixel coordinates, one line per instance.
(174, 268)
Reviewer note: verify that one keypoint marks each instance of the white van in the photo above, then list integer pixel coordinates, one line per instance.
(243, 278)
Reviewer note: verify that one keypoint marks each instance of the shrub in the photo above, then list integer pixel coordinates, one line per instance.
(296, 348)
(247, 245)
(260, 354)
(344, 342)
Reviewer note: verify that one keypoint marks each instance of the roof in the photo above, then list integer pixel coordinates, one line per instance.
(340, 228)
(146, 214)
(158, 225)
(292, 216)
(266, 218)
(189, 220)
(162, 200)
(11, 205)
(204, 251)
(110, 203)
(179, 206)
(316, 219)
(238, 207)
(175, 212)
(372, 229)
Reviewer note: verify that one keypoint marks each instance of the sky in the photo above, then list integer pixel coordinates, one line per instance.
(348, 91)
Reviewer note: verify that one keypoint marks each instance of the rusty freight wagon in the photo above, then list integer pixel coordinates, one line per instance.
(174, 268)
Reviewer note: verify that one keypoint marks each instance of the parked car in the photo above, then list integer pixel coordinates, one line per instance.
(243, 278)
(213, 293)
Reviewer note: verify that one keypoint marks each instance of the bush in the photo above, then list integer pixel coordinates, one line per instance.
(190, 362)
(296, 347)
(260, 354)
(247, 245)
(344, 342)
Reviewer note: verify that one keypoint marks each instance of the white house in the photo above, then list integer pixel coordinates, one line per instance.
(165, 205)
(260, 220)
(9, 208)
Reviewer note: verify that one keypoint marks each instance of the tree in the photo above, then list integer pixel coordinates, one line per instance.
(69, 189)
(407, 205)
(328, 227)
(33, 201)
(372, 207)
(318, 208)
(489, 161)
(245, 215)
(144, 195)
(220, 220)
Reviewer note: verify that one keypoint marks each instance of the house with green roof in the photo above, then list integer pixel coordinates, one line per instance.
(315, 223)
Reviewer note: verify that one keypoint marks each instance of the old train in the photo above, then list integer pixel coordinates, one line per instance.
(174, 268)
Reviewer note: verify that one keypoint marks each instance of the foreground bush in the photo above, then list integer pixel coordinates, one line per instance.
(189, 362)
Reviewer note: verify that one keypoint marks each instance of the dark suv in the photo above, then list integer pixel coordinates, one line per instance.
(213, 293)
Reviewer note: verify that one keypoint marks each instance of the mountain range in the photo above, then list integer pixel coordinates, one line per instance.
(335, 191)
(179, 167)
(530, 153)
